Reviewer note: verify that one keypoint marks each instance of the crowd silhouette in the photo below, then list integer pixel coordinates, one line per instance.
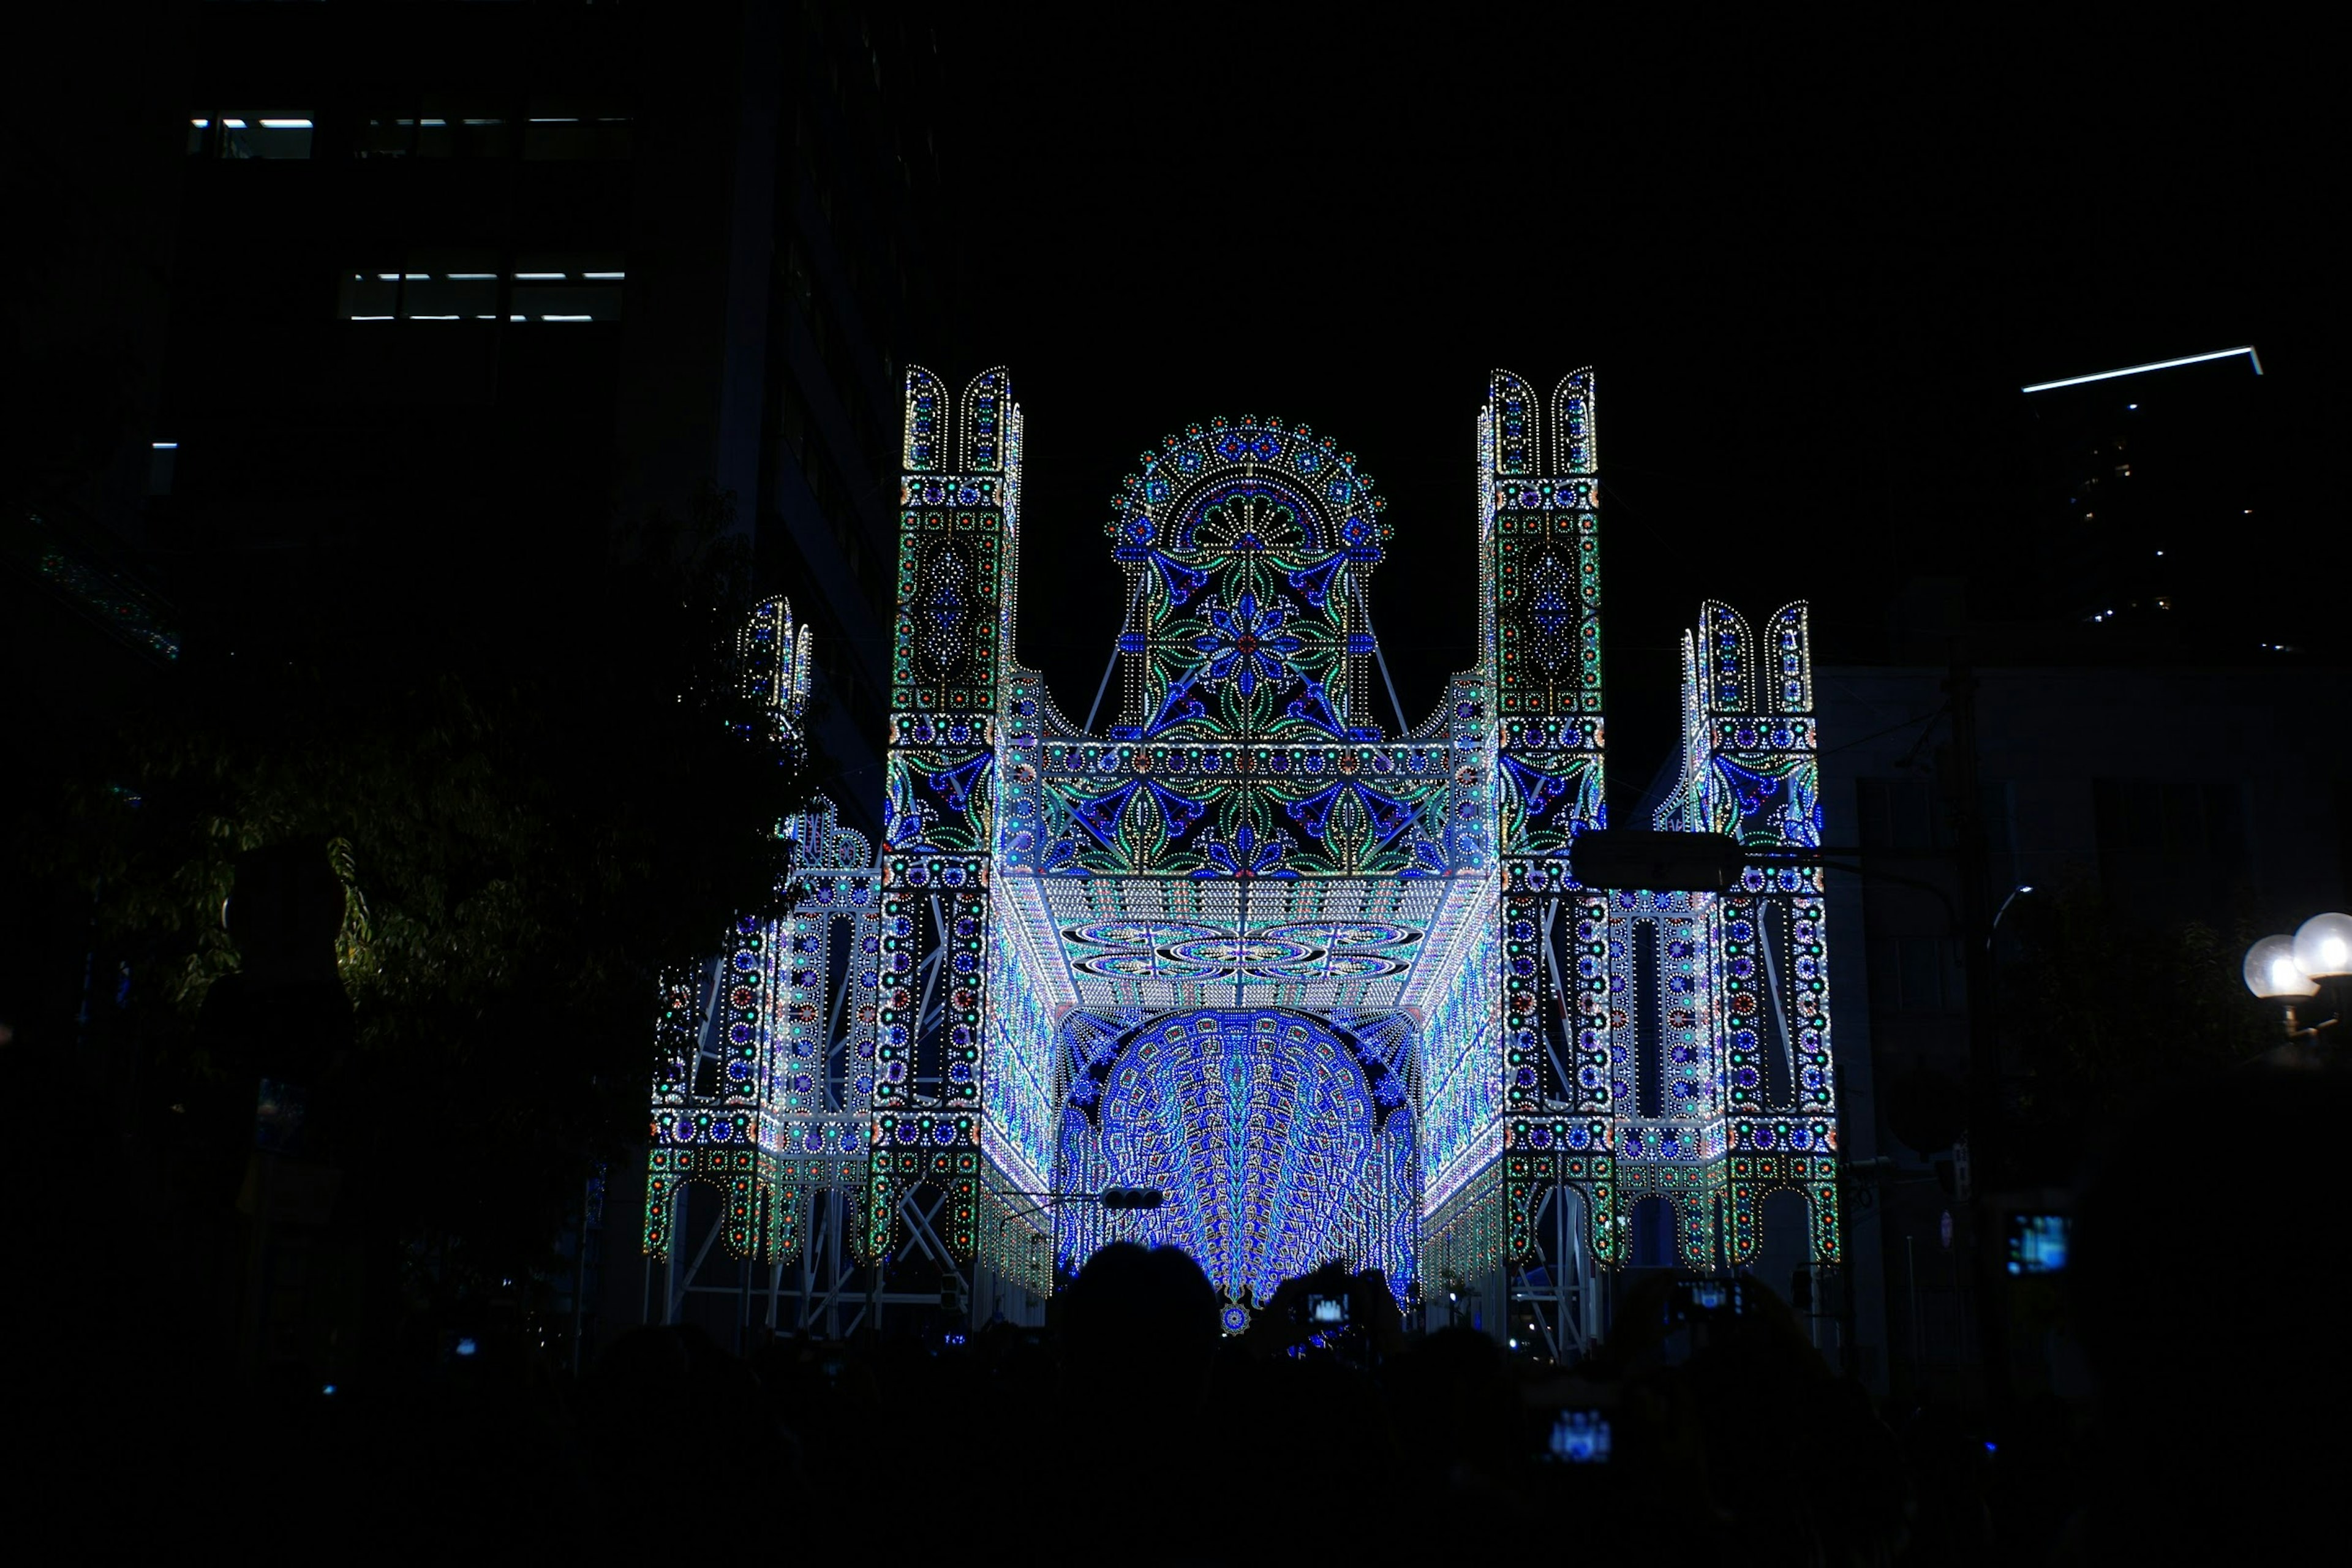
(1130, 1426)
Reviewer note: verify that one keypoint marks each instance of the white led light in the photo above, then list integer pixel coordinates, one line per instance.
(165, 446)
(201, 125)
(604, 277)
(371, 318)
(2159, 364)
(567, 318)
(539, 277)
(234, 124)
(286, 125)
(473, 277)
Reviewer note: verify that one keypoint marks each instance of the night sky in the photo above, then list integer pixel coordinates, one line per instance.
(1812, 272)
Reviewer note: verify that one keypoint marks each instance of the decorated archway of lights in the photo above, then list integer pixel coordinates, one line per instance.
(1336, 991)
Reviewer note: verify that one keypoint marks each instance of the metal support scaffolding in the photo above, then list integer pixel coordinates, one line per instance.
(824, 1292)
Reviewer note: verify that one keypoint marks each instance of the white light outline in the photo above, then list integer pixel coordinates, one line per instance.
(164, 446)
(288, 125)
(2247, 350)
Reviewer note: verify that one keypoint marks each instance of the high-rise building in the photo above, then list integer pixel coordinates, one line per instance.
(467, 286)
(2148, 494)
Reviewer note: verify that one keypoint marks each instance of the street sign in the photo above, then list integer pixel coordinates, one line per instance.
(1664, 862)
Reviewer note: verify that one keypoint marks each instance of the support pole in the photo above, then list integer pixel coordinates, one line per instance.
(1986, 1151)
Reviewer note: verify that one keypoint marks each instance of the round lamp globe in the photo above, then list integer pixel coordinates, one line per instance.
(2323, 947)
(2272, 974)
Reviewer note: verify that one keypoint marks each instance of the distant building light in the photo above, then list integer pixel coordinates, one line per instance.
(371, 318)
(567, 318)
(555, 120)
(286, 125)
(2159, 364)
(428, 123)
(414, 318)
(165, 446)
(2130, 407)
(387, 277)
(202, 124)
(477, 123)
(234, 124)
(540, 277)
(604, 277)
(473, 277)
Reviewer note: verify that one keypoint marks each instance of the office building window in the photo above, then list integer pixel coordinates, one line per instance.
(555, 135)
(559, 291)
(249, 135)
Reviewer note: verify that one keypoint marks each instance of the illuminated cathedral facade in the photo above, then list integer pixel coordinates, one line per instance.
(1334, 992)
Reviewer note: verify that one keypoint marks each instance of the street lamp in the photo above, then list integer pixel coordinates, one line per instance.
(2291, 969)
(2014, 894)
(2322, 948)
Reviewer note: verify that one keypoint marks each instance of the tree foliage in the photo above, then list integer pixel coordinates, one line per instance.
(2104, 1009)
(535, 794)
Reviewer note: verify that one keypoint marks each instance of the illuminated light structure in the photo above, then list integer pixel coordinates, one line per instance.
(1335, 993)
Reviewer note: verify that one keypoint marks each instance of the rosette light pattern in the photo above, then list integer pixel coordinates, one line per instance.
(1260, 1126)
(1249, 643)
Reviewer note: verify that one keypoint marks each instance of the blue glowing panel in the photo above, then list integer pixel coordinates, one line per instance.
(1274, 1135)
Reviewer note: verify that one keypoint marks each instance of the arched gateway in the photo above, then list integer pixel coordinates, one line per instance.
(1332, 991)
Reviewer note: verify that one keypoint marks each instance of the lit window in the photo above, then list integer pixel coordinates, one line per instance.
(459, 287)
(568, 288)
(384, 137)
(370, 296)
(453, 290)
(565, 130)
(463, 136)
(249, 135)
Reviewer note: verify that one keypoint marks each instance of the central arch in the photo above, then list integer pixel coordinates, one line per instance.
(1281, 1139)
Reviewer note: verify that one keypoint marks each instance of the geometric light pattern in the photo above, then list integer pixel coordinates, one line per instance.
(1336, 991)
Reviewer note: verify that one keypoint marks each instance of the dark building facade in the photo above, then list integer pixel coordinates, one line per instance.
(438, 303)
(2131, 829)
(471, 285)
